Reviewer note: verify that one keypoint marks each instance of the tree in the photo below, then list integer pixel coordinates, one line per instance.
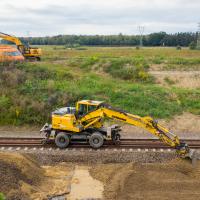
(192, 45)
(154, 39)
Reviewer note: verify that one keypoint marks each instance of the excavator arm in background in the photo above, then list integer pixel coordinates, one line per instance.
(13, 39)
(147, 123)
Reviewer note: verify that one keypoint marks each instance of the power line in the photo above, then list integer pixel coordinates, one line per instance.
(198, 37)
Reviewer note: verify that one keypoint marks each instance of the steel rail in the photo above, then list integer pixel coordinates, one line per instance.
(124, 143)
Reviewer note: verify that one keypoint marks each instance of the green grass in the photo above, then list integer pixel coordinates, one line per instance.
(165, 58)
(2, 197)
(30, 91)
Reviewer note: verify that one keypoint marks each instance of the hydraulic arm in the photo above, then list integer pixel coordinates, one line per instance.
(148, 123)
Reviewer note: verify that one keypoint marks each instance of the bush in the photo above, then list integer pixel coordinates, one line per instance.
(2, 197)
(136, 70)
(87, 63)
(12, 77)
(192, 46)
(158, 60)
(178, 47)
(4, 103)
(41, 72)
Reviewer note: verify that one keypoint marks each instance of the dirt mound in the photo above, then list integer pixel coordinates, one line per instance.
(22, 178)
(173, 180)
(16, 171)
(113, 177)
(176, 180)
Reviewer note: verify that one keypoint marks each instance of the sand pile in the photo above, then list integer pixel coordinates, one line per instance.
(16, 172)
(173, 180)
(22, 178)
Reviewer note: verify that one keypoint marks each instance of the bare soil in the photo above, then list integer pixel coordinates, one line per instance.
(23, 178)
(183, 79)
(84, 186)
(22, 131)
(113, 176)
(177, 179)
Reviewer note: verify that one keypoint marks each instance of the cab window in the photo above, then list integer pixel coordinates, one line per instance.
(82, 109)
(91, 108)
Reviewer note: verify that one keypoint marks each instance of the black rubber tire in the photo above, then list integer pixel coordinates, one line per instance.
(62, 140)
(96, 140)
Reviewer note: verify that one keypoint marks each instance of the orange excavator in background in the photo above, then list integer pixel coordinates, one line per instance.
(31, 53)
(10, 54)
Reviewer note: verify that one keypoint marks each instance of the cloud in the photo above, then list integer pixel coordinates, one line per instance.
(97, 17)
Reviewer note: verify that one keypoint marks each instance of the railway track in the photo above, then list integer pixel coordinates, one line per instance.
(125, 143)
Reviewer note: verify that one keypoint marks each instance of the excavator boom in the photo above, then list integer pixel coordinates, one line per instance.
(147, 123)
(11, 39)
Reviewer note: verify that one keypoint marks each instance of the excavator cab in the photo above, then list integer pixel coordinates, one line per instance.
(85, 106)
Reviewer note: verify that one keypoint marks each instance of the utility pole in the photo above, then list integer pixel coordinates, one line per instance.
(28, 35)
(141, 31)
(198, 37)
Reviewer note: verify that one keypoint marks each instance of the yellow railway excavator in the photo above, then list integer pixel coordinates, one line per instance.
(85, 122)
(31, 53)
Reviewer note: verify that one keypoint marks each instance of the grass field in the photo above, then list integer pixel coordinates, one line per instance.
(122, 76)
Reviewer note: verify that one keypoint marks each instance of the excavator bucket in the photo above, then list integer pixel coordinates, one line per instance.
(193, 156)
(185, 152)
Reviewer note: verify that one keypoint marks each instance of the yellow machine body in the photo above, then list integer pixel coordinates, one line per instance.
(68, 122)
(87, 118)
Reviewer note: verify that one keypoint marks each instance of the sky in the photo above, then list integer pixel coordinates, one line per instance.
(91, 17)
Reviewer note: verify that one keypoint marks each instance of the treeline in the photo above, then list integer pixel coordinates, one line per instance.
(154, 39)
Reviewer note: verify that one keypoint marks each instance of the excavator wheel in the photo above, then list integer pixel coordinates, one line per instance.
(62, 140)
(96, 140)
